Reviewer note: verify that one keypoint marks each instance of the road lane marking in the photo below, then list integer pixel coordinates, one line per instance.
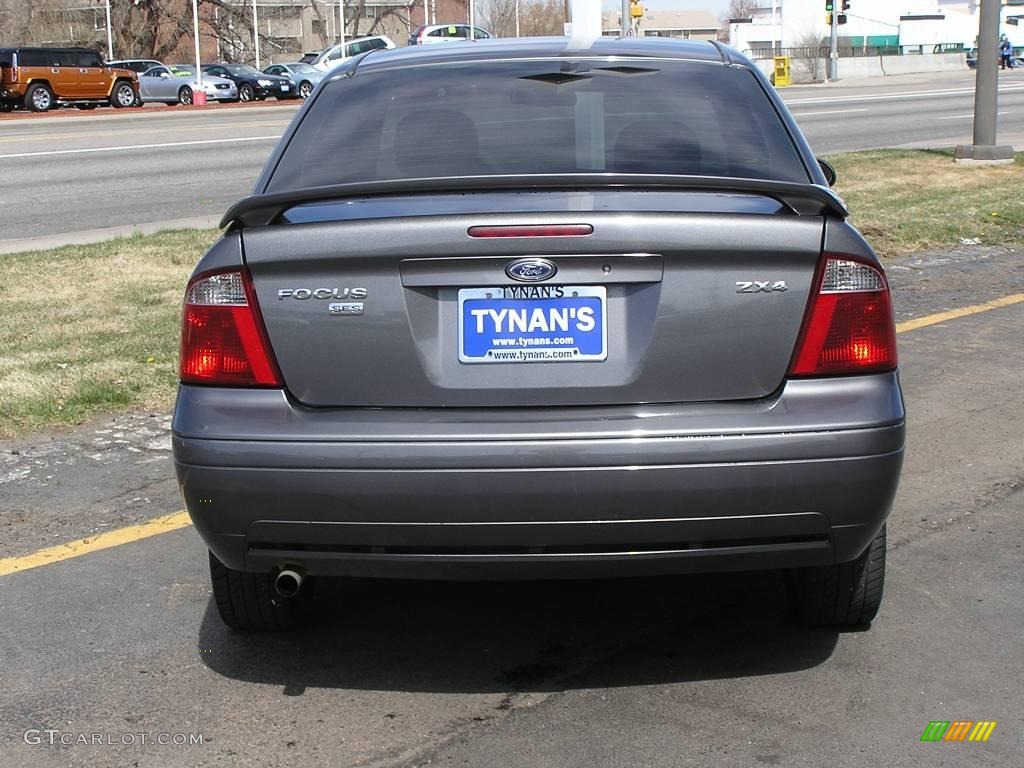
(25, 136)
(830, 112)
(126, 148)
(178, 520)
(968, 117)
(941, 317)
(107, 540)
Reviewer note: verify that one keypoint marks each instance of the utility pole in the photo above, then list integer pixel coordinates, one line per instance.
(833, 46)
(341, 22)
(195, 32)
(986, 89)
(517, 18)
(110, 36)
(627, 20)
(256, 33)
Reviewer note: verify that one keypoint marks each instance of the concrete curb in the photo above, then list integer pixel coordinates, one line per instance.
(45, 242)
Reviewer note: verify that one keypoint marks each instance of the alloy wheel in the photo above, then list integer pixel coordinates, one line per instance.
(125, 95)
(41, 99)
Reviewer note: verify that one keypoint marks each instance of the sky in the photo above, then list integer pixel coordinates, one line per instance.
(715, 7)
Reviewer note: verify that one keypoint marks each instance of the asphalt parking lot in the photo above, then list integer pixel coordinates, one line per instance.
(124, 643)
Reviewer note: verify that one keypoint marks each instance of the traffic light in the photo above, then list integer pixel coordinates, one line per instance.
(828, 19)
(841, 19)
(846, 5)
(842, 16)
(829, 6)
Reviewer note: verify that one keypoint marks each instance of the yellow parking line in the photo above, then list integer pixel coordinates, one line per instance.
(941, 317)
(115, 538)
(173, 522)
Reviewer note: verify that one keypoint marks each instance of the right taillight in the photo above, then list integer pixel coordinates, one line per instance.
(223, 341)
(849, 325)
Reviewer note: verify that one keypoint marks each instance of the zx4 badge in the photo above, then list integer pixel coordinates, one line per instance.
(761, 286)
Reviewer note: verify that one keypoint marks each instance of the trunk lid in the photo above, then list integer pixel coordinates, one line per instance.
(699, 295)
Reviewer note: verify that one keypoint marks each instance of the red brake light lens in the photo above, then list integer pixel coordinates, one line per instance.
(849, 327)
(544, 230)
(223, 341)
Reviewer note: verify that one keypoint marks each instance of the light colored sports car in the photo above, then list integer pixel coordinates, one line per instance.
(304, 77)
(177, 84)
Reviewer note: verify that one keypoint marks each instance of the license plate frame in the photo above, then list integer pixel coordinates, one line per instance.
(560, 333)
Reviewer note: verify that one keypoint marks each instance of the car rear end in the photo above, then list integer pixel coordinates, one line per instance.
(628, 337)
(12, 84)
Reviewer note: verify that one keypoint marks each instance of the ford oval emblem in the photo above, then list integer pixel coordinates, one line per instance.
(531, 270)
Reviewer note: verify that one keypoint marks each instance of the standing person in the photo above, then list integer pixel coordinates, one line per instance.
(1005, 53)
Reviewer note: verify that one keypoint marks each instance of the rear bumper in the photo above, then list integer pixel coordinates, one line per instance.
(541, 493)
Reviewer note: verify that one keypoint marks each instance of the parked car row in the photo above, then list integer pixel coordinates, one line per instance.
(40, 79)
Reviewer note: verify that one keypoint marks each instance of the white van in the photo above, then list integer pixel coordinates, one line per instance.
(330, 57)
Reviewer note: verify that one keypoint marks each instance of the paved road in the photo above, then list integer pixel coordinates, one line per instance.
(78, 174)
(697, 671)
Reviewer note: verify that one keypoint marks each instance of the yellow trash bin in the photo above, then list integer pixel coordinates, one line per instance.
(781, 71)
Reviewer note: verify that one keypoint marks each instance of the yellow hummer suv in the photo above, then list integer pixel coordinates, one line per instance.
(41, 78)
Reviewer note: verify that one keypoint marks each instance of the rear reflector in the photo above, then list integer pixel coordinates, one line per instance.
(849, 326)
(223, 341)
(546, 230)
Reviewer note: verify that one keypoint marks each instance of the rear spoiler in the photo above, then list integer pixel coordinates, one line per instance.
(800, 199)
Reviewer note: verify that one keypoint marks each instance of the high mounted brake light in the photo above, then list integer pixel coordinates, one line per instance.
(849, 327)
(223, 341)
(529, 230)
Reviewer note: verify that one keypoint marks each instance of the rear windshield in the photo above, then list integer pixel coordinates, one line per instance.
(533, 117)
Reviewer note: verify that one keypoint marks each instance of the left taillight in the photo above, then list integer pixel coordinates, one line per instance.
(223, 341)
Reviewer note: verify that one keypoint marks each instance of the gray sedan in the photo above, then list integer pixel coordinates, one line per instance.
(177, 84)
(304, 77)
(521, 311)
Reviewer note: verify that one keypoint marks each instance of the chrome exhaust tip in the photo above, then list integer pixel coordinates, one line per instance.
(288, 582)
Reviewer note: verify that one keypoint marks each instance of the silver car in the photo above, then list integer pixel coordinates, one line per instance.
(304, 77)
(523, 311)
(177, 84)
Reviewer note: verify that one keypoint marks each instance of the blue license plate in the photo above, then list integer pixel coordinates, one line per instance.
(532, 324)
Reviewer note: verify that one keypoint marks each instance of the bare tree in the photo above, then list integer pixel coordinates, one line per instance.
(738, 9)
(810, 55)
(498, 17)
(541, 17)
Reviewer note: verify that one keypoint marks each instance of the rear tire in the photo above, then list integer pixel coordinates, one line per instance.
(185, 96)
(245, 92)
(248, 602)
(845, 595)
(39, 98)
(305, 88)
